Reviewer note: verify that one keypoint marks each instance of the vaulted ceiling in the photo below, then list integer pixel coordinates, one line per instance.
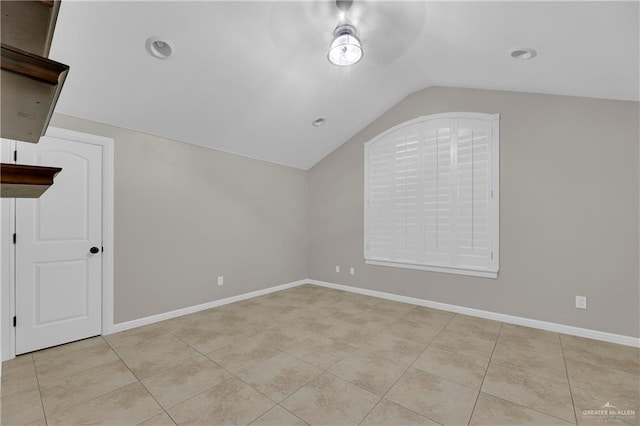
(250, 77)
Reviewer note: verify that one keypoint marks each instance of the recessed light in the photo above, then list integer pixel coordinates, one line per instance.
(159, 47)
(523, 53)
(318, 122)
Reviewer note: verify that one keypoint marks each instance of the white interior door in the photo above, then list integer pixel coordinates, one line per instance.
(58, 275)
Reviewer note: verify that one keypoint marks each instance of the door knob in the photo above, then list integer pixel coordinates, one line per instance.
(94, 250)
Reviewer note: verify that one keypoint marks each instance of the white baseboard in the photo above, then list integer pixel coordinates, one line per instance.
(511, 319)
(191, 309)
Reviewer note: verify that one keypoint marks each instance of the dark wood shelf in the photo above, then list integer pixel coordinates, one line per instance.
(30, 86)
(29, 25)
(22, 181)
(31, 83)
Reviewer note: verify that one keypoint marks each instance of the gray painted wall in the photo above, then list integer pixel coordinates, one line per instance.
(569, 215)
(186, 214)
(568, 209)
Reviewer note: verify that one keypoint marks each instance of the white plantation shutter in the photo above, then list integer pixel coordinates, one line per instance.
(379, 209)
(393, 187)
(431, 188)
(406, 230)
(437, 192)
(473, 185)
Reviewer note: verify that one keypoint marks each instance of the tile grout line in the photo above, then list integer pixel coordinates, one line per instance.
(293, 414)
(270, 409)
(135, 376)
(44, 413)
(486, 371)
(322, 371)
(60, 347)
(407, 369)
(81, 371)
(566, 369)
(531, 409)
(326, 371)
(233, 376)
(376, 331)
(141, 384)
(519, 404)
(67, 354)
(230, 372)
(527, 373)
(355, 349)
(414, 361)
(277, 404)
(464, 356)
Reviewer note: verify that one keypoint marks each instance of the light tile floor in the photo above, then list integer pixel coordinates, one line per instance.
(317, 356)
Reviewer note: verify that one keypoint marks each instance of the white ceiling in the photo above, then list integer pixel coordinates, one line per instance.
(250, 77)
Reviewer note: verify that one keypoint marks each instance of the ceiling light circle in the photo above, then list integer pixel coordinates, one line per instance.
(523, 53)
(159, 47)
(346, 48)
(344, 5)
(319, 121)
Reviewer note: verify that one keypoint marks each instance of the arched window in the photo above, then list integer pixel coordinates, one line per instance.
(431, 195)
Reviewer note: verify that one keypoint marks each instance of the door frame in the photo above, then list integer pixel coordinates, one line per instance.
(8, 252)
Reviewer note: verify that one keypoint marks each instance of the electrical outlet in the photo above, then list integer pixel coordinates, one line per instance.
(220, 280)
(581, 302)
(337, 268)
(352, 270)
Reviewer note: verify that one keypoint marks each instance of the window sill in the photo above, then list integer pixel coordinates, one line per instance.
(457, 271)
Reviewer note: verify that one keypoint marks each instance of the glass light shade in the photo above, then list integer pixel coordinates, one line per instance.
(345, 50)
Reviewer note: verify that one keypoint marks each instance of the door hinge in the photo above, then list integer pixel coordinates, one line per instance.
(102, 249)
(15, 155)
(491, 255)
(15, 321)
(14, 238)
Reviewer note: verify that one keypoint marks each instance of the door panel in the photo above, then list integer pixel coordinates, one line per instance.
(69, 220)
(58, 280)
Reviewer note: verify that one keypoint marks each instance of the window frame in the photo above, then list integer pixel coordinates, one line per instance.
(494, 216)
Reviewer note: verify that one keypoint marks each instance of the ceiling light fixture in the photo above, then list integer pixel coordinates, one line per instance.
(523, 53)
(346, 48)
(159, 48)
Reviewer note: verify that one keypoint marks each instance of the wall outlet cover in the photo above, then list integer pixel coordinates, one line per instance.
(581, 302)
